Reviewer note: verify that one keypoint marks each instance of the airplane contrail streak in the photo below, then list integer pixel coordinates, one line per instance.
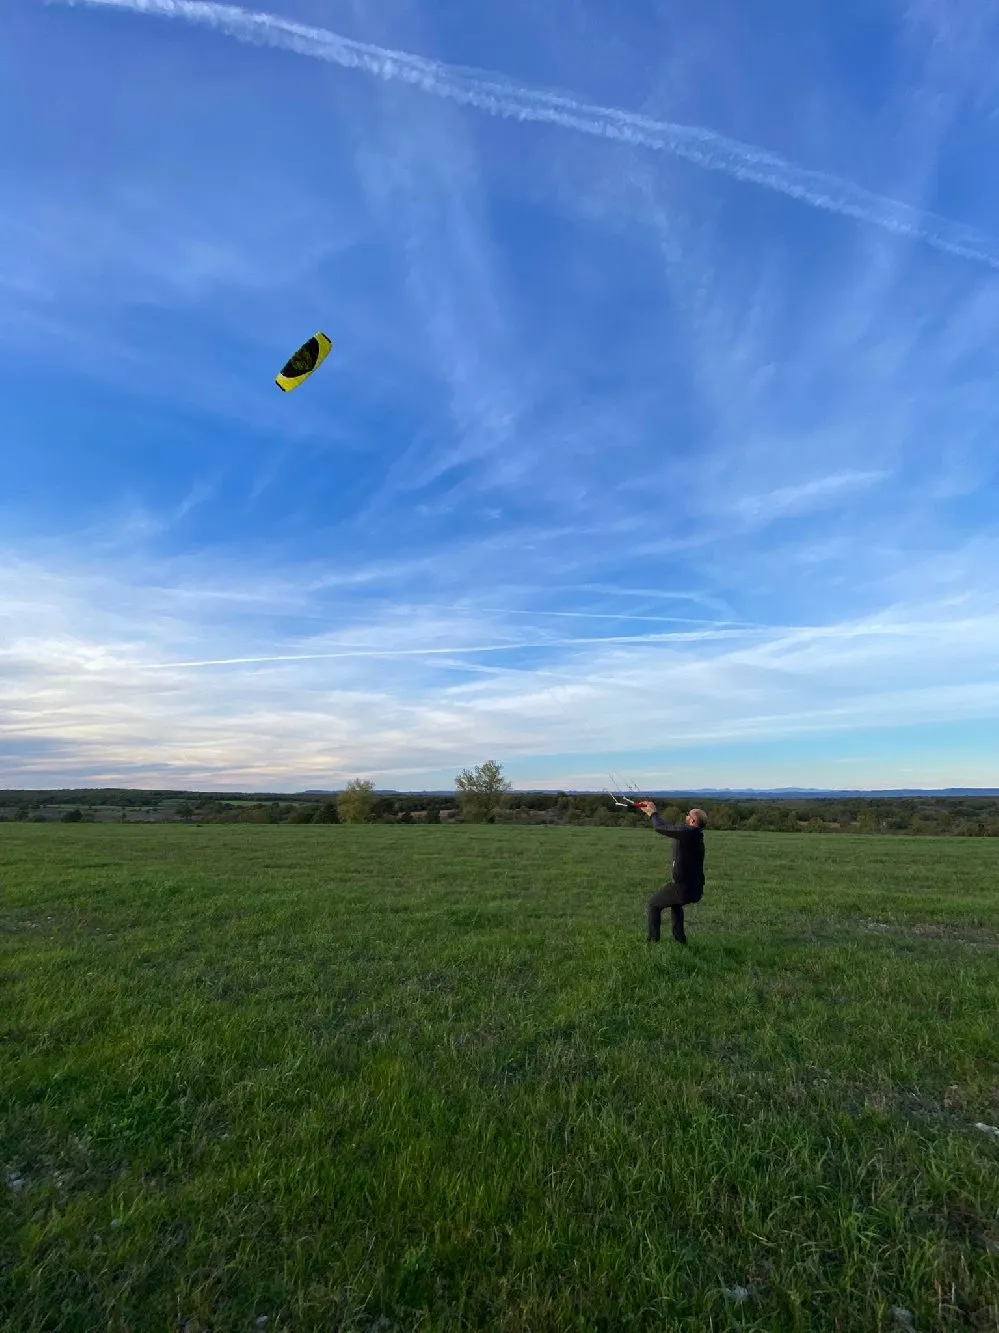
(498, 96)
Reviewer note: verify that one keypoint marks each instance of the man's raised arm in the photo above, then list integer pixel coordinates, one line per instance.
(658, 823)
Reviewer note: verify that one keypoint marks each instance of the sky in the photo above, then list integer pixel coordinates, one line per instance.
(659, 434)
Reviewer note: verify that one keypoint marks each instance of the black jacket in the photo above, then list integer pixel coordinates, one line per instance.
(688, 851)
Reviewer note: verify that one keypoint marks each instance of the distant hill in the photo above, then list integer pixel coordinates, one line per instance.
(379, 791)
(818, 793)
(736, 793)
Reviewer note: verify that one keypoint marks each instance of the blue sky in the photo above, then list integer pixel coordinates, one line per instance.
(659, 436)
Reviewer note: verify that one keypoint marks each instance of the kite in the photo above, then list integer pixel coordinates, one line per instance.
(309, 357)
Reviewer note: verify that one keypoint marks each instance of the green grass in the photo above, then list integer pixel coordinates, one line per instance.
(363, 1078)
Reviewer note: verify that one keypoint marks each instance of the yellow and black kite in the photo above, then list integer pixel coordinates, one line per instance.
(309, 357)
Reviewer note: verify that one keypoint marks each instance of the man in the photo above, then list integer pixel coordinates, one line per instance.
(688, 871)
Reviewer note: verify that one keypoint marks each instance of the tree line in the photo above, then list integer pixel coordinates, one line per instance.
(482, 795)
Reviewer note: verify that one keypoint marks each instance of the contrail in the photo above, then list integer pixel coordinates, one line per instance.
(587, 615)
(454, 650)
(499, 97)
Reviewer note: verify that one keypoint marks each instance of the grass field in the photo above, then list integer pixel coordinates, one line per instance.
(373, 1078)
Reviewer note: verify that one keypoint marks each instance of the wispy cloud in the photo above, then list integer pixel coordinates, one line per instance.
(133, 244)
(499, 97)
(422, 184)
(93, 687)
(795, 499)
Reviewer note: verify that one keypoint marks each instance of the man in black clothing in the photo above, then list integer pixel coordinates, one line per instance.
(687, 885)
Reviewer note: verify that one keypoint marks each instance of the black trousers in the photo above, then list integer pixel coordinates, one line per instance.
(675, 897)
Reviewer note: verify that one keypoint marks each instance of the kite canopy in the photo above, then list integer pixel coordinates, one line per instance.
(309, 357)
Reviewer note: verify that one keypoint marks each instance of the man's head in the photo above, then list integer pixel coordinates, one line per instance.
(696, 819)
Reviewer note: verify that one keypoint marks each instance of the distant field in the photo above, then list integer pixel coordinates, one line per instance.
(395, 1078)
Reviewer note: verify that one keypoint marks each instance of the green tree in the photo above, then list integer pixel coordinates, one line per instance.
(356, 802)
(72, 817)
(481, 792)
(327, 814)
(303, 814)
(185, 810)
